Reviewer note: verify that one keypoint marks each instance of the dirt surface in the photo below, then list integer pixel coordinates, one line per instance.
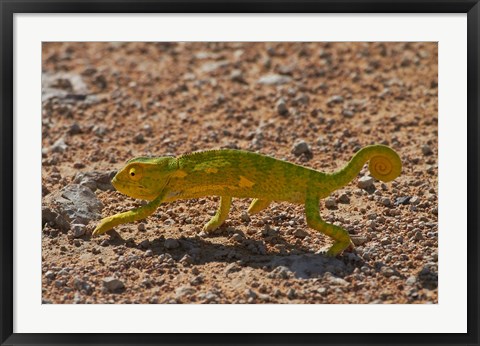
(313, 104)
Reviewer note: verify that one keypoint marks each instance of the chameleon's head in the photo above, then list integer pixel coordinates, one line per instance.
(143, 177)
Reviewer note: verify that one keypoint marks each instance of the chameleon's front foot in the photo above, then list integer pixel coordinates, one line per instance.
(103, 226)
(129, 216)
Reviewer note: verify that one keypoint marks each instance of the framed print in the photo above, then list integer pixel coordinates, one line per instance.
(239, 173)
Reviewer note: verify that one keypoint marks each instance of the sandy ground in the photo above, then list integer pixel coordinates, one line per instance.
(313, 104)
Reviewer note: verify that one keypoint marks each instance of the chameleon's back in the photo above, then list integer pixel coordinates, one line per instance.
(239, 173)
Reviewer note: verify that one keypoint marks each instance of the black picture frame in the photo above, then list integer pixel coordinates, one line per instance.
(9, 8)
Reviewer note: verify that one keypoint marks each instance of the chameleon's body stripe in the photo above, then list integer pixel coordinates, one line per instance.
(242, 174)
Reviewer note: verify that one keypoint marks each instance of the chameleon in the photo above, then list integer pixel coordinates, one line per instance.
(230, 173)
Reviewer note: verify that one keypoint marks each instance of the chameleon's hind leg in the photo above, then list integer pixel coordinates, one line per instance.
(220, 216)
(258, 205)
(340, 235)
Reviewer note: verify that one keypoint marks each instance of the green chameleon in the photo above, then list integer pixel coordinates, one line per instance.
(242, 174)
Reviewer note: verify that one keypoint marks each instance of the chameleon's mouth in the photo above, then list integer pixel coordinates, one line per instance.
(115, 182)
(132, 190)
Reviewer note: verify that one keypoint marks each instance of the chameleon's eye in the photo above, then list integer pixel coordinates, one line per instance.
(135, 173)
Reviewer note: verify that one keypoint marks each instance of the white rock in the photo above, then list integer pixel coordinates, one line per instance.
(274, 79)
(365, 182)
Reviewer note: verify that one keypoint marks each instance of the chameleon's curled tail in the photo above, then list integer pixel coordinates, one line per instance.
(384, 164)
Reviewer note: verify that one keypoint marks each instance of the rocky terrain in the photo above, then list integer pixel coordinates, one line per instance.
(313, 104)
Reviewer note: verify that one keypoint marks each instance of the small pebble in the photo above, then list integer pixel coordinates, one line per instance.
(334, 100)
(78, 230)
(74, 129)
(113, 284)
(171, 243)
(183, 291)
(386, 201)
(100, 131)
(385, 241)
(144, 244)
(59, 146)
(402, 200)
(337, 281)
(280, 272)
(387, 271)
(197, 280)
(411, 281)
(237, 76)
(281, 107)
(139, 139)
(415, 200)
(344, 198)
(300, 233)
(274, 79)
(418, 235)
(249, 293)
(330, 203)
(245, 217)
(365, 182)
(426, 150)
(232, 268)
(347, 113)
(301, 147)
(237, 237)
(186, 259)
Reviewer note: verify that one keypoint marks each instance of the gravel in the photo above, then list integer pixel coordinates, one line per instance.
(332, 109)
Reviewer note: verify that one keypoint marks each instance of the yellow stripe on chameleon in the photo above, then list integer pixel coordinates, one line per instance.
(211, 170)
(244, 182)
(199, 189)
